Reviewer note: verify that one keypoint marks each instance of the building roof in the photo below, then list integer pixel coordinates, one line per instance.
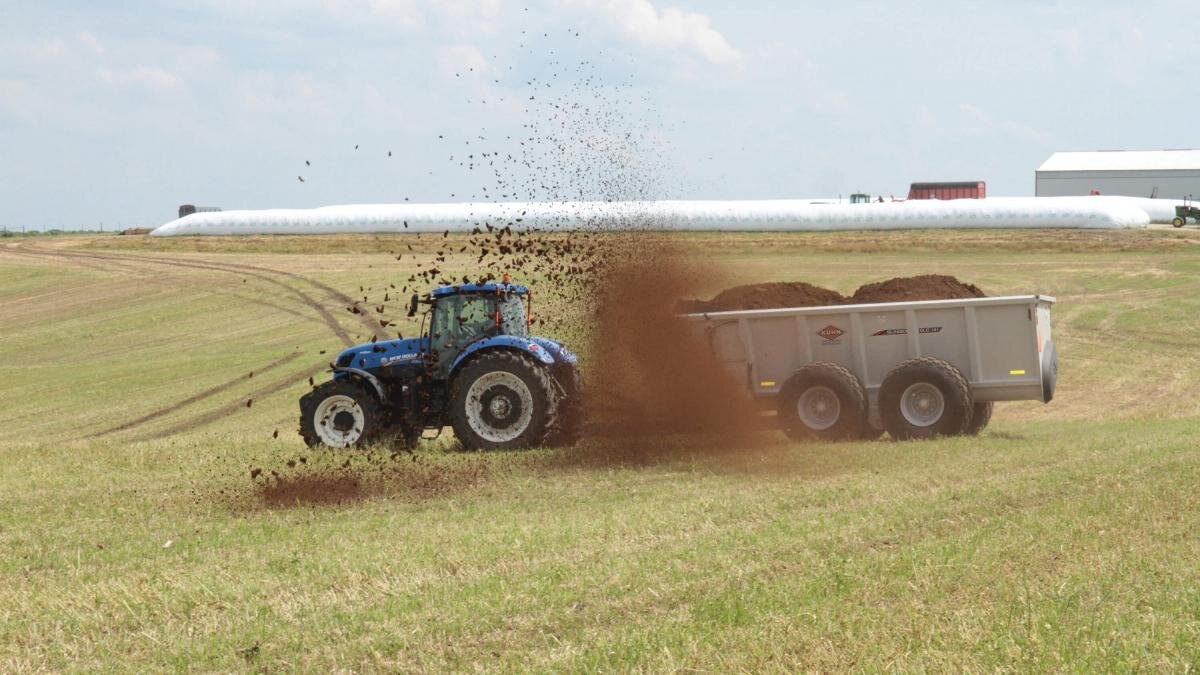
(1123, 160)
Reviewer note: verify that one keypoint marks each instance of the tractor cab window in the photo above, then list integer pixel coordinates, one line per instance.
(459, 320)
(462, 319)
(512, 316)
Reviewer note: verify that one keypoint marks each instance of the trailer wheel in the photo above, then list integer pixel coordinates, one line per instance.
(1178, 221)
(340, 414)
(980, 416)
(822, 401)
(502, 400)
(923, 398)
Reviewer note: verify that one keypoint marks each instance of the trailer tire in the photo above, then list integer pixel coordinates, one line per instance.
(1178, 222)
(923, 398)
(980, 416)
(502, 400)
(341, 413)
(822, 401)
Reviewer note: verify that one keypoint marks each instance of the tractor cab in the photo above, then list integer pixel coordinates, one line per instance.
(465, 314)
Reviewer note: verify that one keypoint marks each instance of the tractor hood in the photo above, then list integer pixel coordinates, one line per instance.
(383, 353)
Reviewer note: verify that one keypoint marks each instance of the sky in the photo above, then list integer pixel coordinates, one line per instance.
(114, 113)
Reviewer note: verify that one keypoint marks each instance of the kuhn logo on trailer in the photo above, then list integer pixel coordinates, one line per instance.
(831, 333)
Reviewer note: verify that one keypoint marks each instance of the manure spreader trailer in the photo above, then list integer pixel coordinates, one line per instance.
(913, 369)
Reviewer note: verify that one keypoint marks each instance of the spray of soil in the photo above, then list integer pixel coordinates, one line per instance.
(332, 477)
(651, 374)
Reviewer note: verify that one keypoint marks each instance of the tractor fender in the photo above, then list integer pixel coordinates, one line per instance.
(557, 350)
(524, 345)
(371, 379)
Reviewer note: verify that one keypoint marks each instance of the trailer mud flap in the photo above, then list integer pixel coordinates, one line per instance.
(1049, 372)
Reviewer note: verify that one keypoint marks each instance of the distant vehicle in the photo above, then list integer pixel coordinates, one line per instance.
(189, 209)
(1185, 211)
(953, 190)
(860, 198)
(914, 369)
(475, 368)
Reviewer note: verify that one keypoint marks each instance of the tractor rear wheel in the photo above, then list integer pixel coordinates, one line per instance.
(502, 400)
(340, 414)
(923, 398)
(822, 401)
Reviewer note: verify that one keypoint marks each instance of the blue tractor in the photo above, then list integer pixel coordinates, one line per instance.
(474, 368)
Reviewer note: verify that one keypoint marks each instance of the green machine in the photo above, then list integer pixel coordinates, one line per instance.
(1182, 213)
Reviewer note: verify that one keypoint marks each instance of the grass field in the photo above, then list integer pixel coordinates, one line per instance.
(1066, 537)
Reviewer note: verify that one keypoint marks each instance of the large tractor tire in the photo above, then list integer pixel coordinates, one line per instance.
(980, 416)
(502, 400)
(568, 422)
(923, 398)
(822, 401)
(341, 414)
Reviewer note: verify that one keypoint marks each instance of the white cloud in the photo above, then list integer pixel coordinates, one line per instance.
(1069, 41)
(670, 28)
(975, 113)
(462, 60)
(153, 78)
(468, 17)
(982, 120)
(91, 42)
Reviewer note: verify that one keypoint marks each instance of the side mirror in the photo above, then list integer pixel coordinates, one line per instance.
(412, 305)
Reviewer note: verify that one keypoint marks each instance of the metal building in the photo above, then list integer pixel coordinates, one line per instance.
(1166, 174)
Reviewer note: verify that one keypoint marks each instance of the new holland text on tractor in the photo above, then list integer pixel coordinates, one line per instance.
(475, 368)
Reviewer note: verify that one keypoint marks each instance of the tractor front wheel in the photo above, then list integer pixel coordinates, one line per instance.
(340, 414)
(502, 400)
(1178, 221)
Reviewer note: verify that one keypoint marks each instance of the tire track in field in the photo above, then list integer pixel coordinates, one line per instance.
(370, 322)
(230, 408)
(25, 250)
(308, 300)
(142, 273)
(259, 273)
(211, 391)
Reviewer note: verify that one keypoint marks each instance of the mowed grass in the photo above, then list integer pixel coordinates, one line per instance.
(1065, 537)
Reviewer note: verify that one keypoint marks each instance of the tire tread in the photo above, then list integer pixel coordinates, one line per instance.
(962, 391)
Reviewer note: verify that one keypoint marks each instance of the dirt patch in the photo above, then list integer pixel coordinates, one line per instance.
(327, 478)
(801, 294)
(312, 490)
